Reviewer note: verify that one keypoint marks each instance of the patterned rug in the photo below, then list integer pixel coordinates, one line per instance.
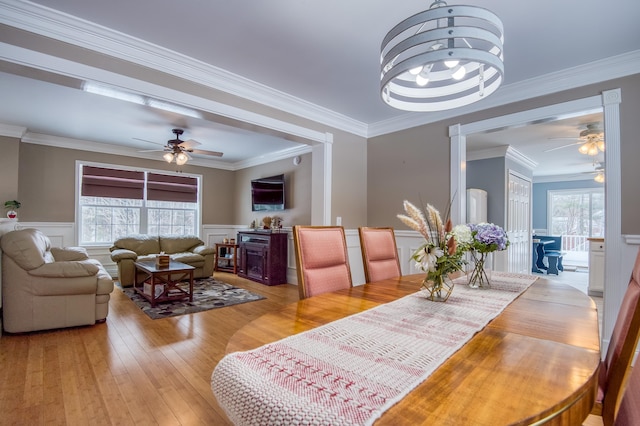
(208, 293)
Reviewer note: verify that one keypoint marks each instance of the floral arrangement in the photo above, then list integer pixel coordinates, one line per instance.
(487, 237)
(484, 238)
(440, 254)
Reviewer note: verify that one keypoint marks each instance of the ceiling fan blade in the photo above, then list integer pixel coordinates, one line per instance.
(203, 152)
(563, 146)
(144, 140)
(189, 144)
(152, 150)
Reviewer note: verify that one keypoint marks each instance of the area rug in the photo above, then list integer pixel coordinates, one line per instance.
(208, 293)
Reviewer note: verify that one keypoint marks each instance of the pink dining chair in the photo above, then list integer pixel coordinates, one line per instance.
(629, 411)
(379, 253)
(321, 259)
(614, 369)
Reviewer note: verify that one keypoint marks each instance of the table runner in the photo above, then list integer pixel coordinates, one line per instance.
(350, 371)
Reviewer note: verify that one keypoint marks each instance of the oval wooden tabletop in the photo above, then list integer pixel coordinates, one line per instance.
(536, 362)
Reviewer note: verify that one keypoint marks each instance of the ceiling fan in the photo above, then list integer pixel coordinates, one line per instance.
(591, 141)
(178, 150)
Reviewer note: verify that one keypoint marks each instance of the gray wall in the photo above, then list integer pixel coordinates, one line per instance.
(297, 196)
(489, 174)
(540, 191)
(414, 163)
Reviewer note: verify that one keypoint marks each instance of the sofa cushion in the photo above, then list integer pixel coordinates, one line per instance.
(29, 248)
(141, 244)
(189, 258)
(178, 243)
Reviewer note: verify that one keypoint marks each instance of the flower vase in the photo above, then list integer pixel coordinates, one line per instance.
(12, 214)
(478, 277)
(438, 289)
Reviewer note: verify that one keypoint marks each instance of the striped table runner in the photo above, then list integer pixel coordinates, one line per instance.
(350, 371)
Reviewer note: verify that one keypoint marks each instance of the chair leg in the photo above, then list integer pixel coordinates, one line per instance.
(553, 265)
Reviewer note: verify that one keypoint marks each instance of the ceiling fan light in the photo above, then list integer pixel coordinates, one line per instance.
(168, 157)
(181, 159)
(599, 177)
(584, 149)
(593, 150)
(601, 145)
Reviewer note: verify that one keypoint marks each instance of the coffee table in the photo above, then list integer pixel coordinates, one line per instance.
(161, 283)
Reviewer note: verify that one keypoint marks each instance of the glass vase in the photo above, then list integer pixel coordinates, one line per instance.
(478, 277)
(437, 289)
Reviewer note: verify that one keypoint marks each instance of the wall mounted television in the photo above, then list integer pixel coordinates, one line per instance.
(267, 194)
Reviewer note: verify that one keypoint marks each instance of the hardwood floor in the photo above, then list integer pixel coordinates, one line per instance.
(129, 370)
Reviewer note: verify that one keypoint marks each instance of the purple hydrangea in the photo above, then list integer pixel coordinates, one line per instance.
(488, 237)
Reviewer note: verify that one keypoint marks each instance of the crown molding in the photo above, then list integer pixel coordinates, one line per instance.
(560, 178)
(64, 27)
(79, 32)
(594, 72)
(12, 131)
(75, 144)
(505, 151)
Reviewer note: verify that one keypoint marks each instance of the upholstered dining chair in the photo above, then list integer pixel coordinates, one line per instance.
(379, 253)
(629, 411)
(321, 259)
(614, 368)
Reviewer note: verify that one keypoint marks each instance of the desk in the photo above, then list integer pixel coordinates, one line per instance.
(538, 255)
(537, 360)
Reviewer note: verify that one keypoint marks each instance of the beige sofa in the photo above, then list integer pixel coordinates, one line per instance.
(45, 287)
(187, 249)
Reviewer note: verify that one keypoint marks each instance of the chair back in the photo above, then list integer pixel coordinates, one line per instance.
(629, 412)
(624, 339)
(379, 253)
(321, 259)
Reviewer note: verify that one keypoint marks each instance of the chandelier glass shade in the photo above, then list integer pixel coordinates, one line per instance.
(442, 58)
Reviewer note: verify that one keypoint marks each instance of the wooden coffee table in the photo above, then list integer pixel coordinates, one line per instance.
(165, 280)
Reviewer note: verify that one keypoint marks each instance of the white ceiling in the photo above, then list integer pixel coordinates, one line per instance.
(322, 55)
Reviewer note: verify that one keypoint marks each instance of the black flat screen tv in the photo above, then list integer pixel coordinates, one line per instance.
(267, 194)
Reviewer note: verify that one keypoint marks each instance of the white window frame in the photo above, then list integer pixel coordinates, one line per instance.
(552, 192)
(143, 213)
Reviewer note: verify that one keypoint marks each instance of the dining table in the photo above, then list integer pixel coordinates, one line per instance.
(535, 362)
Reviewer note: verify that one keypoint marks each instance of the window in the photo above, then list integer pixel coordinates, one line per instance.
(577, 212)
(116, 202)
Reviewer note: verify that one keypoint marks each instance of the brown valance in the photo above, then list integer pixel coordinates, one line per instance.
(172, 188)
(112, 183)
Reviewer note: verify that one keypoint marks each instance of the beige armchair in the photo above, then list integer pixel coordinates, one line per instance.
(45, 288)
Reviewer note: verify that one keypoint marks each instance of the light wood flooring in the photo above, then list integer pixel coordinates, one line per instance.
(131, 369)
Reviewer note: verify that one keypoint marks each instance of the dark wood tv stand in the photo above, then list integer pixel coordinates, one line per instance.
(262, 256)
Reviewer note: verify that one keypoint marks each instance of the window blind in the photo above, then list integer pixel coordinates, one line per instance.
(112, 183)
(172, 188)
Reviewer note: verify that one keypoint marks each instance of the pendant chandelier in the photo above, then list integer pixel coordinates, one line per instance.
(442, 58)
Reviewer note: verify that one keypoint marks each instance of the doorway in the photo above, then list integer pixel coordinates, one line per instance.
(609, 103)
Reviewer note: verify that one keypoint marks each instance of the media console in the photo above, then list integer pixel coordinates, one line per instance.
(262, 256)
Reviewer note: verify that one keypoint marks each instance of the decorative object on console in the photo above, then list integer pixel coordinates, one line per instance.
(442, 58)
(440, 255)
(12, 206)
